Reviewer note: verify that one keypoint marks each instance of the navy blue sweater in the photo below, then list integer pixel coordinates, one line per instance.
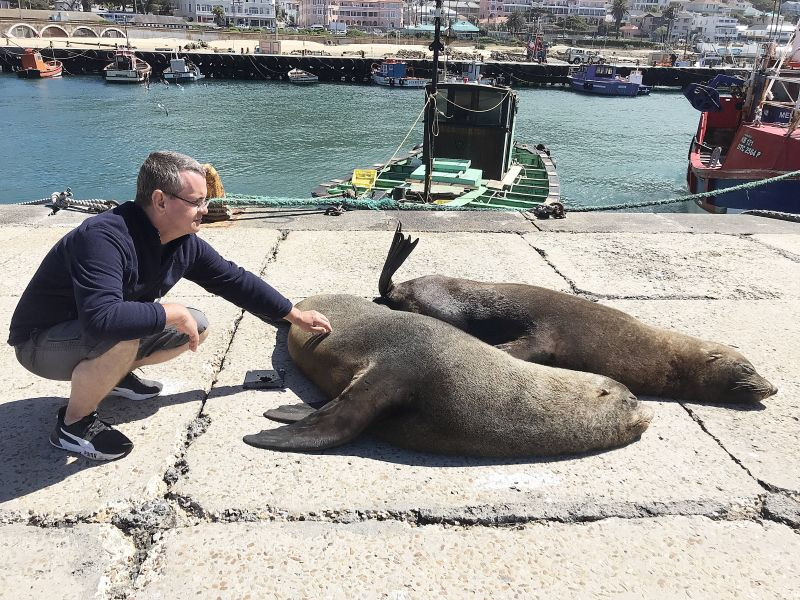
(108, 271)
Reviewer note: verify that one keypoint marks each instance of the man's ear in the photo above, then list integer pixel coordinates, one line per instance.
(158, 199)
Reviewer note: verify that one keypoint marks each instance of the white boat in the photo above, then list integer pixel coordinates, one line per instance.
(300, 76)
(393, 73)
(182, 70)
(127, 68)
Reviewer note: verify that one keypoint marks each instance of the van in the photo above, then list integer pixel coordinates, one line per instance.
(577, 56)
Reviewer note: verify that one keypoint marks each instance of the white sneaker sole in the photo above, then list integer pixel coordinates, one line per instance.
(88, 451)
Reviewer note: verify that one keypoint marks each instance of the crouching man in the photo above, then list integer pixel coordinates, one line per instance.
(90, 314)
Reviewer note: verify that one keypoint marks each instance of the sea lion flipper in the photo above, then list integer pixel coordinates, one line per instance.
(399, 251)
(289, 413)
(336, 423)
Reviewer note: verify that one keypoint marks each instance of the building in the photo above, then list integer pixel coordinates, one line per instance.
(384, 14)
(238, 13)
(594, 11)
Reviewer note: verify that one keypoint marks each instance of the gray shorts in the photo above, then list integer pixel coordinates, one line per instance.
(55, 352)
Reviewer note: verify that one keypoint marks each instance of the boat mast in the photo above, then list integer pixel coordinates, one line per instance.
(430, 107)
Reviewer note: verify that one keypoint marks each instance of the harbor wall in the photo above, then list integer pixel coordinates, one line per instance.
(228, 65)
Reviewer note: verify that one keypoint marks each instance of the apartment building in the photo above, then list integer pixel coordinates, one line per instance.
(384, 14)
(594, 11)
(240, 13)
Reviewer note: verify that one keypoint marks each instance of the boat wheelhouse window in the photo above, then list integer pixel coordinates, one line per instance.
(604, 71)
(472, 106)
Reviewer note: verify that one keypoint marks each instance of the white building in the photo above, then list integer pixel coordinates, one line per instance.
(385, 14)
(239, 13)
(717, 28)
(594, 11)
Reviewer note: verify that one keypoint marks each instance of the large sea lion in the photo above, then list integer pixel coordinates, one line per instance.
(558, 329)
(421, 384)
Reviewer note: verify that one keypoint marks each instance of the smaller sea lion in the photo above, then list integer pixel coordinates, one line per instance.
(561, 330)
(421, 384)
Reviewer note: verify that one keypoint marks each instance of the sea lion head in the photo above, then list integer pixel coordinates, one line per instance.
(727, 376)
(615, 416)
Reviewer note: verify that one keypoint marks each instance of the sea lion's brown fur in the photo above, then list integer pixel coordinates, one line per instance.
(421, 384)
(562, 330)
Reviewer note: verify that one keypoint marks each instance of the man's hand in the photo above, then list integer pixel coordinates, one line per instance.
(179, 317)
(309, 320)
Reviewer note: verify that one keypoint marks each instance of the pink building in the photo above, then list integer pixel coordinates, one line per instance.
(386, 14)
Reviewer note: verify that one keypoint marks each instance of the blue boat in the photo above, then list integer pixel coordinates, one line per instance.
(603, 80)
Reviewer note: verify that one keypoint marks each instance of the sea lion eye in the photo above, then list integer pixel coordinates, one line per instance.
(712, 356)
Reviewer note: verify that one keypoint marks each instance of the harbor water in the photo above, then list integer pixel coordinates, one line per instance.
(278, 139)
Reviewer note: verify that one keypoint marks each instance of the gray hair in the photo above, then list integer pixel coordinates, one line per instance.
(162, 171)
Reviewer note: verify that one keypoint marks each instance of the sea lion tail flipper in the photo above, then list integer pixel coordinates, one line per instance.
(401, 247)
(289, 413)
(336, 423)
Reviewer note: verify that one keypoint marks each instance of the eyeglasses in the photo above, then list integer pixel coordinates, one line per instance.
(196, 203)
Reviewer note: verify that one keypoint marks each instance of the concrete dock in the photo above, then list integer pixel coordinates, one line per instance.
(705, 505)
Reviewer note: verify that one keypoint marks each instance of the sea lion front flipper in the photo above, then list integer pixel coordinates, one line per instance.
(336, 423)
(289, 413)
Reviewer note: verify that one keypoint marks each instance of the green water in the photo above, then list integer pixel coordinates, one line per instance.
(277, 139)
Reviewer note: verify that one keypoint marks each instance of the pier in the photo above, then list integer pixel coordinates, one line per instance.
(706, 504)
(231, 65)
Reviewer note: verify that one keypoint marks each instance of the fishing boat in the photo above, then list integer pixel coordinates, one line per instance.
(181, 70)
(302, 77)
(468, 157)
(395, 73)
(604, 81)
(127, 68)
(35, 67)
(747, 133)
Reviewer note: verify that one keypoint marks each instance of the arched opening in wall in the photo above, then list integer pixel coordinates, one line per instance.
(21, 30)
(112, 32)
(84, 32)
(54, 31)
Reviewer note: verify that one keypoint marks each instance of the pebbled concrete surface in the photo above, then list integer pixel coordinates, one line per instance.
(672, 557)
(704, 505)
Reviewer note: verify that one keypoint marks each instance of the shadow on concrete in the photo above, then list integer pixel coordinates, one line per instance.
(30, 463)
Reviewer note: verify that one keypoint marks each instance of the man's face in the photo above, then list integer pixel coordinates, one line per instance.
(186, 208)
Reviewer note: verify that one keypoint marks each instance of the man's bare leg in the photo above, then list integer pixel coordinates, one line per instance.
(93, 379)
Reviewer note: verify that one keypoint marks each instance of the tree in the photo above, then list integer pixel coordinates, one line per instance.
(660, 33)
(670, 14)
(87, 5)
(618, 10)
(516, 21)
(219, 15)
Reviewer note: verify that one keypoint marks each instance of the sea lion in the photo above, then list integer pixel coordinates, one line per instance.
(561, 330)
(421, 384)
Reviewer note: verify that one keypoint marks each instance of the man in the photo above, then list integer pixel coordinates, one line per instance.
(90, 315)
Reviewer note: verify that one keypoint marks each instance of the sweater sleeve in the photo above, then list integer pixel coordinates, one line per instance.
(227, 280)
(97, 267)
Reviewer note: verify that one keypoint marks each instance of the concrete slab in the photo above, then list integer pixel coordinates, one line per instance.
(21, 254)
(655, 558)
(37, 478)
(706, 223)
(670, 265)
(304, 219)
(84, 561)
(249, 248)
(616, 222)
(39, 216)
(789, 243)
(674, 468)
(765, 441)
(316, 262)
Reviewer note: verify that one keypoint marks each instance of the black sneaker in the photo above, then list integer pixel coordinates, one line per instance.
(90, 437)
(133, 387)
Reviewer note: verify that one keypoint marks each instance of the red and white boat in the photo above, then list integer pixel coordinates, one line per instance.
(748, 135)
(35, 67)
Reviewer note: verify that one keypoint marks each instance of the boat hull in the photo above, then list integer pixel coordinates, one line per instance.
(400, 82)
(781, 196)
(607, 88)
(182, 77)
(113, 76)
(39, 74)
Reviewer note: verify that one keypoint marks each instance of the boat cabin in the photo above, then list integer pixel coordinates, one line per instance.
(476, 124)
